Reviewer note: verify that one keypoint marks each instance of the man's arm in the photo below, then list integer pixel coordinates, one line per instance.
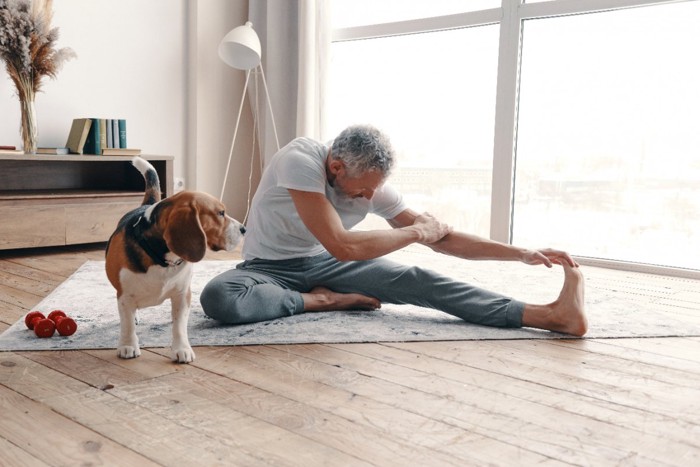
(468, 246)
(321, 218)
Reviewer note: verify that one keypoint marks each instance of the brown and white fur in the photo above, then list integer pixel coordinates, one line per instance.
(149, 257)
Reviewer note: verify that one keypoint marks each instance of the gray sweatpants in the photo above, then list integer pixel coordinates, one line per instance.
(260, 290)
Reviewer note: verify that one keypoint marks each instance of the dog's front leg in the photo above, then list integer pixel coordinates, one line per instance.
(181, 350)
(128, 340)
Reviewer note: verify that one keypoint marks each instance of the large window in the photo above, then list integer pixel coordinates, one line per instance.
(569, 124)
(438, 110)
(609, 135)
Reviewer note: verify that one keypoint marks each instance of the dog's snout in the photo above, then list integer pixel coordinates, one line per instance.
(242, 229)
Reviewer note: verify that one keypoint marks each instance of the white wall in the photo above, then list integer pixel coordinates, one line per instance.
(153, 63)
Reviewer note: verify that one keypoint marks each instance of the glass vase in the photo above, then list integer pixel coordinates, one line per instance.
(28, 126)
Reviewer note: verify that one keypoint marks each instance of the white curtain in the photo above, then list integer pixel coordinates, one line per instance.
(295, 39)
(314, 45)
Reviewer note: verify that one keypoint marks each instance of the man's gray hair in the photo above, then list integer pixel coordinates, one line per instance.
(363, 148)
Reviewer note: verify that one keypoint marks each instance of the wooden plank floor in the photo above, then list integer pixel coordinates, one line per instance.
(572, 402)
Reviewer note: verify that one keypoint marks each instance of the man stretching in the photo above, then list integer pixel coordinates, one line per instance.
(300, 254)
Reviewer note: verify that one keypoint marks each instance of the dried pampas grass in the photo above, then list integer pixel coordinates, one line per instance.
(27, 44)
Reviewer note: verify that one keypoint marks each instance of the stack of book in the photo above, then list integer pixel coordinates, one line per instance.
(52, 150)
(10, 150)
(14, 150)
(99, 136)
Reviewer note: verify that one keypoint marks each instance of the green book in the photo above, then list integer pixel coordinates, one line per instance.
(92, 143)
(122, 133)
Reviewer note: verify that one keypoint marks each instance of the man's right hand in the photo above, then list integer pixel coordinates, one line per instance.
(430, 229)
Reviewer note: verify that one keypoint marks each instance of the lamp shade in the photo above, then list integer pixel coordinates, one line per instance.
(240, 48)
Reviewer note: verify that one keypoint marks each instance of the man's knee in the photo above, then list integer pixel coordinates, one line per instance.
(226, 302)
(213, 300)
(219, 302)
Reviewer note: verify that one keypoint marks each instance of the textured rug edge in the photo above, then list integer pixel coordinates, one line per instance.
(612, 318)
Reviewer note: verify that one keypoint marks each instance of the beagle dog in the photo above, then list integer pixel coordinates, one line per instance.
(149, 256)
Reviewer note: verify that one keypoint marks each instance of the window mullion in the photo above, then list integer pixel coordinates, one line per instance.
(506, 122)
(569, 7)
(416, 26)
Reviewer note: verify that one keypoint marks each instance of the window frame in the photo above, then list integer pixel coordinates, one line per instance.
(511, 16)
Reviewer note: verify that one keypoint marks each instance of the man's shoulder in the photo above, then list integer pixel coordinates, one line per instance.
(307, 146)
(300, 166)
(304, 151)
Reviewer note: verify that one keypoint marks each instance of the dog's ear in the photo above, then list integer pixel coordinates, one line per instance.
(184, 234)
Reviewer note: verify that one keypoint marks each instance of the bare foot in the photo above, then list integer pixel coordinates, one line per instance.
(323, 299)
(568, 309)
(566, 314)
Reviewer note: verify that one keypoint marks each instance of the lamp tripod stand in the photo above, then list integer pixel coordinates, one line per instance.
(240, 49)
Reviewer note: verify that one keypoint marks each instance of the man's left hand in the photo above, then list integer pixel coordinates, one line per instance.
(548, 257)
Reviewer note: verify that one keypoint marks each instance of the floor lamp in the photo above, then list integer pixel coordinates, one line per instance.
(240, 49)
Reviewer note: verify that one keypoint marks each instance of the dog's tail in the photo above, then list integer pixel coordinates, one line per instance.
(150, 176)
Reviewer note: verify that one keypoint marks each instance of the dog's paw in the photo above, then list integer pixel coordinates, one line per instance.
(183, 355)
(128, 351)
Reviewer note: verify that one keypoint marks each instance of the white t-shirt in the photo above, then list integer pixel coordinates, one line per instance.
(274, 229)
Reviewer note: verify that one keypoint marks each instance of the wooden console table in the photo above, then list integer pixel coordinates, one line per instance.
(49, 200)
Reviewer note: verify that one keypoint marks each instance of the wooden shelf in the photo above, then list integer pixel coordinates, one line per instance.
(49, 200)
(10, 195)
(78, 157)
